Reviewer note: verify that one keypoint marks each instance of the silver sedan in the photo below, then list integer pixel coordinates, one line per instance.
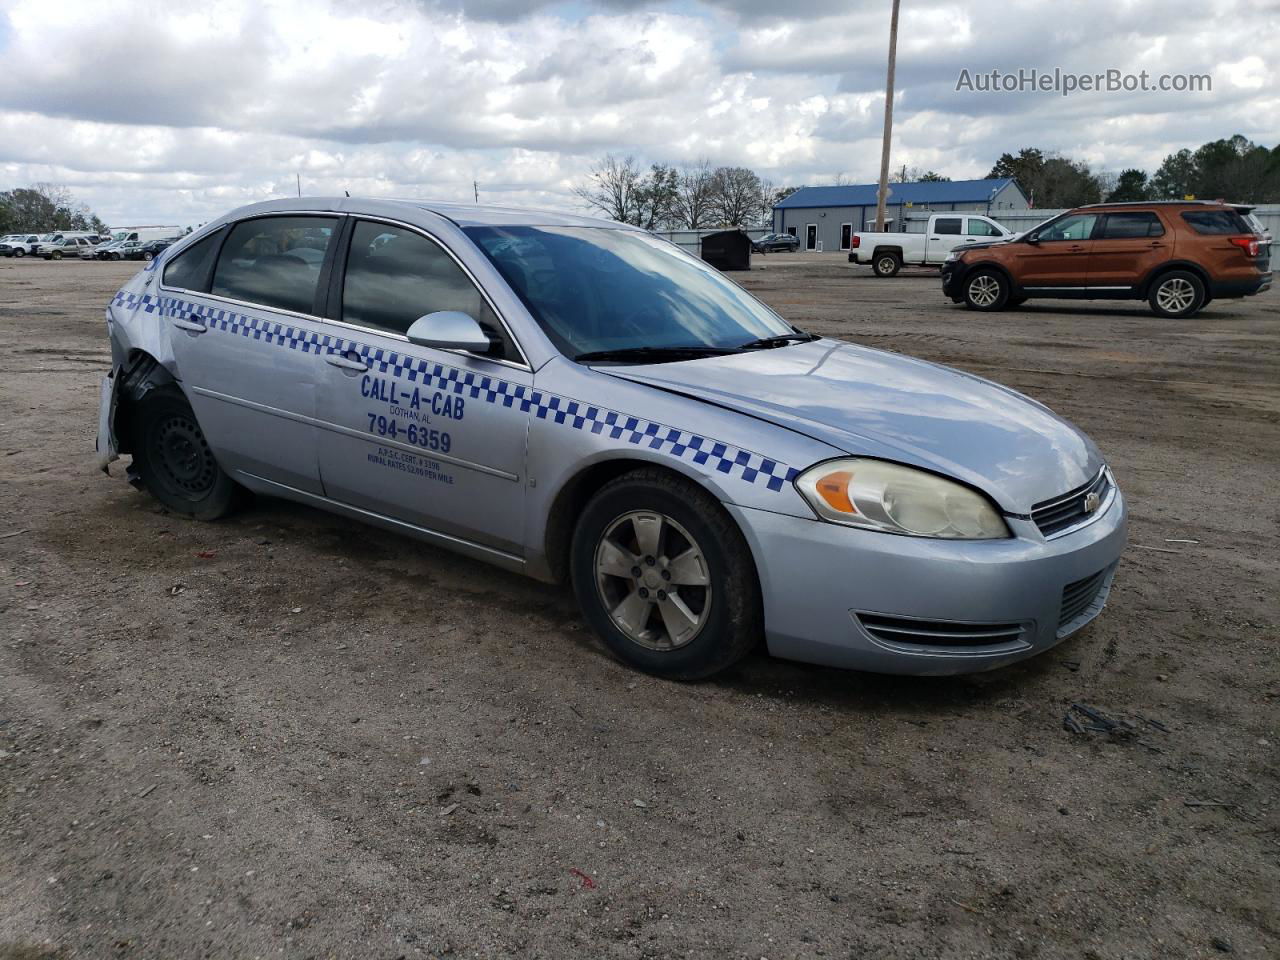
(578, 400)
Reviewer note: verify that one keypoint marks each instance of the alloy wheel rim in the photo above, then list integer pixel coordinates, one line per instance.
(652, 577)
(1175, 295)
(184, 457)
(984, 291)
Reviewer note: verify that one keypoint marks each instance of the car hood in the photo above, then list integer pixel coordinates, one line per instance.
(872, 403)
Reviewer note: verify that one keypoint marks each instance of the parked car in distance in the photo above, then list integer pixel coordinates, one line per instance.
(577, 399)
(148, 250)
(774, 242)
(887, 252)
(66, 247)
(103, 251)
(19, 244)
(1176, 255)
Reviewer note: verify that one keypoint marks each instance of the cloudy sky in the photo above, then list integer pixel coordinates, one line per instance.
(174, 111)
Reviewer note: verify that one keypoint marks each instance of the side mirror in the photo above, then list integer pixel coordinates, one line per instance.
(448, 330)
(1033, 238)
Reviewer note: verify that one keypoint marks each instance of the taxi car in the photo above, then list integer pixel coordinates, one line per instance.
(575, 399)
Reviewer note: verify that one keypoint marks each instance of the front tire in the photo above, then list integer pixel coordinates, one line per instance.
(887, 264)
(986, 290)
(1177, 295)
(56, 255)
(19, 253)
(664, 576)
(174, 460)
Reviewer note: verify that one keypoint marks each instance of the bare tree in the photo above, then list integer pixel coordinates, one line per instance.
(695, 198)
(614, 187)
(657, 198)
(738, 196)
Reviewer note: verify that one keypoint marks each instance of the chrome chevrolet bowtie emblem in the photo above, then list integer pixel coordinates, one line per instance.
(1092, 501)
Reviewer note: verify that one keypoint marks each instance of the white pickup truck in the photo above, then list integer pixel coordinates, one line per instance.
(887, 252)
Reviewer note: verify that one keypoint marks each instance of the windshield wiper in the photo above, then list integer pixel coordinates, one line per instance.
(646, 354)
(780, 340)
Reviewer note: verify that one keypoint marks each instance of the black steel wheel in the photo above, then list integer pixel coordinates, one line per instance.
(174, 458)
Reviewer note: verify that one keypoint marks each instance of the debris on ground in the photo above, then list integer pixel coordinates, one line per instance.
(586, 878)
(1082, 719)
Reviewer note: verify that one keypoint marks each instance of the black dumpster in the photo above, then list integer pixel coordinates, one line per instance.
(727, 250)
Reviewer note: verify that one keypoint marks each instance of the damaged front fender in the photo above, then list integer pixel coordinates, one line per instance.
(121, 391)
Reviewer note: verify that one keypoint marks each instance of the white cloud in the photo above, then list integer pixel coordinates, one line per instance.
(176, 110)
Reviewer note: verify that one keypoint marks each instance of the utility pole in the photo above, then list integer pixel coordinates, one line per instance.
(475, 186)
(299, 176)
(883, 194)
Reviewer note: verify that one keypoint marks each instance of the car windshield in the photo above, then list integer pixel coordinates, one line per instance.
(597, 289)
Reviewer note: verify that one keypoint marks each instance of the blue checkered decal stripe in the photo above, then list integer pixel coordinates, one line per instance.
(575, 414)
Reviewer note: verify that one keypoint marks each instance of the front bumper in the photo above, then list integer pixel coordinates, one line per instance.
(951, 285)
(824, 584)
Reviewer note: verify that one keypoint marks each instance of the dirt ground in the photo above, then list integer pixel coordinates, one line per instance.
(288, 735)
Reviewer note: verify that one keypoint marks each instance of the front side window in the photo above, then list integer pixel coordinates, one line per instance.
(190, 269)
(274, 261)
(1075, 227)
(947, 225)
(1124, 226)
(980, 228)
(601, 289)
(394, 276)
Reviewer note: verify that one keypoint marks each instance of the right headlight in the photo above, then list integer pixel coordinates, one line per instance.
(953, 255)
(892, 498)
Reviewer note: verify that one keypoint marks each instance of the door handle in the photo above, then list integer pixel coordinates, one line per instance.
(191, 325)
(971, 240)
(1157, 243)
(345, 362)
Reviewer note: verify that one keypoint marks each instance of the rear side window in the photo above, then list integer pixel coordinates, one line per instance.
(274, 261)
(189, 270)
(1121, 226)
(1216, 222)
(395, 276)
(980, 228)
(947, 225)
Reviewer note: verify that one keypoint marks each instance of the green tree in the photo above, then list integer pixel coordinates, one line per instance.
(1049, 180)
(43, 207)
(1176, 177)
(1132, 185)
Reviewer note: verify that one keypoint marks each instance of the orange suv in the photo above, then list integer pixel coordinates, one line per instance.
(1177, 255)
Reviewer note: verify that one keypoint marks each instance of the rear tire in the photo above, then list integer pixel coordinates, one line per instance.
(693, 609)
(1178, 295)
(174, 460)
(56, 255)
(886, 264)
(986, 290)
(19, 252)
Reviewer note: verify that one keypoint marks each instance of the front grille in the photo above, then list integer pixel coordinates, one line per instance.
(938, 633)
(1079, 596)
(1062, 513)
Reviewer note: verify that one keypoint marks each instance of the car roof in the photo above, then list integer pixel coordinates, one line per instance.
(462, 214)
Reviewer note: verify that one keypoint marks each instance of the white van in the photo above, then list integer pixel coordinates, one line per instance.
(146, 234)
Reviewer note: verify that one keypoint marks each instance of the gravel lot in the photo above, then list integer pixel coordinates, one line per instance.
(289, 735)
